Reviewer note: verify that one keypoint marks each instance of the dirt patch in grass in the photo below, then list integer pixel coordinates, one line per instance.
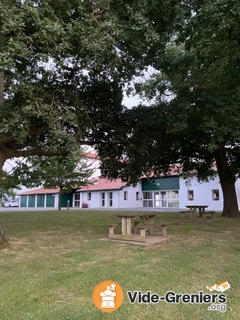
(17, 242)
(14, 244)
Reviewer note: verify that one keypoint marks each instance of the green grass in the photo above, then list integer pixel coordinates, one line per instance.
(56, 259)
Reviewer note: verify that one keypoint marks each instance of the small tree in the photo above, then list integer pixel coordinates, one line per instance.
(6, 191)
(65, 172)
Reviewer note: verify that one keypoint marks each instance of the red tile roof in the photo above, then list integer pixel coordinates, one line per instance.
(103, 184)
(90, 155)
(39, 191)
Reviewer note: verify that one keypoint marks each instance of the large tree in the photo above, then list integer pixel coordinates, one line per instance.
(55, 55)
(193, 119)
(64, 66)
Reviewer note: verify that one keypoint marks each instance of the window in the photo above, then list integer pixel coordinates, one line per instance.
(125, 195)
(147, 199)
(103, 199)
(137, 195)
(173, 199)
(76, 200)
(215, 194)
(156, 199)
(110, 197)
(162, 199)
(147, 195)
(190, 195)
(89, 196)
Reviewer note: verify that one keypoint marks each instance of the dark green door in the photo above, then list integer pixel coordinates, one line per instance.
(40, 200)
(50, 200)
(65, 198)
(23, 201)
(31, 201)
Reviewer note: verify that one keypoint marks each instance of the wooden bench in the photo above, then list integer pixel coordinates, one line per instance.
(132, 237)
(142, 231)
(151, 228)
(206, 213)
(183, 214)
(111, 228)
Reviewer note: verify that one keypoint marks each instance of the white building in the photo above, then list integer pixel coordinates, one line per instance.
(169, 192)
(104, 193)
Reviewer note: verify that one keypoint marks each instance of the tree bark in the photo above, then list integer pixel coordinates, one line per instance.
(2, 74)
(3, 158)
(60, 198)
(1, 88)
(3, 240)
(227, 181)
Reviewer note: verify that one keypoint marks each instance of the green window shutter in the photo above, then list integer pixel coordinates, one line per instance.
(50, 200)
(23, 201)
(40, 200)
(31, 201)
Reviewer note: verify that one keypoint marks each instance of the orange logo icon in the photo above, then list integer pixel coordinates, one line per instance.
(108, 296)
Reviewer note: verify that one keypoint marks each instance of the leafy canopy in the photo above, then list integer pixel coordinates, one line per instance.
(64, 172)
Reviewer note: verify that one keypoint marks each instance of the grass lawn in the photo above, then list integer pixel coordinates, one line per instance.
(56, 259)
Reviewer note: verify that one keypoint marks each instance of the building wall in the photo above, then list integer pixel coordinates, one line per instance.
(124, 198)
(203, 193)
(237, 186)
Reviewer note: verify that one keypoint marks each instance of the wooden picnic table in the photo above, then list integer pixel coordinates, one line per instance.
(200, 208)
(131, 223)
(128, 221)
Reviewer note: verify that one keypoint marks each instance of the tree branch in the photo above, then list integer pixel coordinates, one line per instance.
(39, 152)
(31, 134)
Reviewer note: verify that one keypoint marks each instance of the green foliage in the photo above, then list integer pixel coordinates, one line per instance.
(6, 189)
(193, 118)
(66, 172)
(56, 55)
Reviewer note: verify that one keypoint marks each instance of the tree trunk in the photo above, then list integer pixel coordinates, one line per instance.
(3, 240)
(60, 198)
(1, 87)
(3, 158)
(227, 181)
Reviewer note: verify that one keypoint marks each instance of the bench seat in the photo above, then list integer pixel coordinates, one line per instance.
(111, 227)
(183, 213)
(152, 228)
(208, 212)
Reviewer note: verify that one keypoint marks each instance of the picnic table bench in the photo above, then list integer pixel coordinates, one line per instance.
(153, 229)
(135, 226)
(183, 214)
(208, 213)
(111, 228)
(202, 213)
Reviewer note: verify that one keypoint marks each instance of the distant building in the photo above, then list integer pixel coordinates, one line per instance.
(104, 193)
(44, 198)
(166, 192)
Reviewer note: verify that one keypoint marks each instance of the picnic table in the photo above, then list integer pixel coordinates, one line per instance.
(131, 224)
(197, 209)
